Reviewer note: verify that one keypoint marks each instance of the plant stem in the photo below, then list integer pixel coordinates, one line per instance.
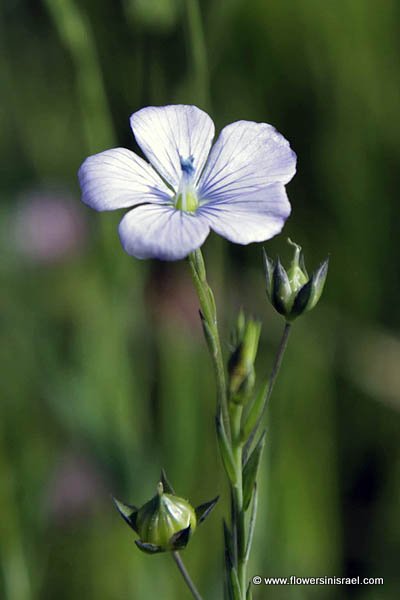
(179, 562)
(208, 316)
(232, 421)
(238, 517)
(272, 378)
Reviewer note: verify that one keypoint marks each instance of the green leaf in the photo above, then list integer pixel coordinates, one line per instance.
(228, 545)
(249, 593)
(199, 265)
(250, 471)
(226, 451)
(236, 593)
(252, 523)
(254, 413)
(229, 561)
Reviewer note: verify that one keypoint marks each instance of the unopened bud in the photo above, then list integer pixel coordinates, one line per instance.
(294, 292)
(166, 522)
(241, 363)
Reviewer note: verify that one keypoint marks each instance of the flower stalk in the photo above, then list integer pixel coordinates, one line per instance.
(179, 563)
(237, 428)
(208, 315)
(253, 421)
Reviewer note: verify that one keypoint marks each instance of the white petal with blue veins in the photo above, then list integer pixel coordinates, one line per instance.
(118, 178)
(155, 231)
(171, 134)
(254, 218)
(247, 157)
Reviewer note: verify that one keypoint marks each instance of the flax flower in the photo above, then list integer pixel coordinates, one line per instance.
(236, 187)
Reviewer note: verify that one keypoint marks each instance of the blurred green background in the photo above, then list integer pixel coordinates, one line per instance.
(104, 374)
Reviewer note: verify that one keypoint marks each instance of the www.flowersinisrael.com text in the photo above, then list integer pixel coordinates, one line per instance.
(293, 580)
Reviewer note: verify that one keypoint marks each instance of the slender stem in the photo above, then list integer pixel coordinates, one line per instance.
(179, 563)
(274, 374)
(232, 418)
(210, 325)
(238, 516)
(278, 360)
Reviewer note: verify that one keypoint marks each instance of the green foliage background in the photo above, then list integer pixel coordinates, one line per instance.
(104, 374)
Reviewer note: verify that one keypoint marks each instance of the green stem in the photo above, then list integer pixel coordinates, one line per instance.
(232, 420)
(274, 374)
(208, 315)
(238, 516)
(179, 562)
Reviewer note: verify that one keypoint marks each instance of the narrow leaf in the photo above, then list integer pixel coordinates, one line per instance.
(237, 595)
(252, 522)
(228, 545)
(228, 555)
(249, 593)
(250, 471)
(199, 265)
(226, 451)
(254, 413)
(208, 334)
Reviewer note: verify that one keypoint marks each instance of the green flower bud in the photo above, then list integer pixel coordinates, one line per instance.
(163, 517)
(166, 522)
(241, 363)
(293, 293)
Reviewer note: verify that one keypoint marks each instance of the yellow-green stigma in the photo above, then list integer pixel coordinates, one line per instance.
(186, 200)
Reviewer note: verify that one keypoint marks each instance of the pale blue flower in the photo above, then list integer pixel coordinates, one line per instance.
(235, 188)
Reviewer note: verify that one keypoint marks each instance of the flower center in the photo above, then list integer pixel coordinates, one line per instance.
(186, 197)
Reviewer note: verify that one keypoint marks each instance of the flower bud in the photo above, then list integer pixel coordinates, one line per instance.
(294, 292)
(241, 363)
(166, 522)
(160, 521)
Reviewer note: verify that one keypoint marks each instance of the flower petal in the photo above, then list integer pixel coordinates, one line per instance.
(246, 157)
(254, 219)
(118, 178)
(155, 231)
(167, 134)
